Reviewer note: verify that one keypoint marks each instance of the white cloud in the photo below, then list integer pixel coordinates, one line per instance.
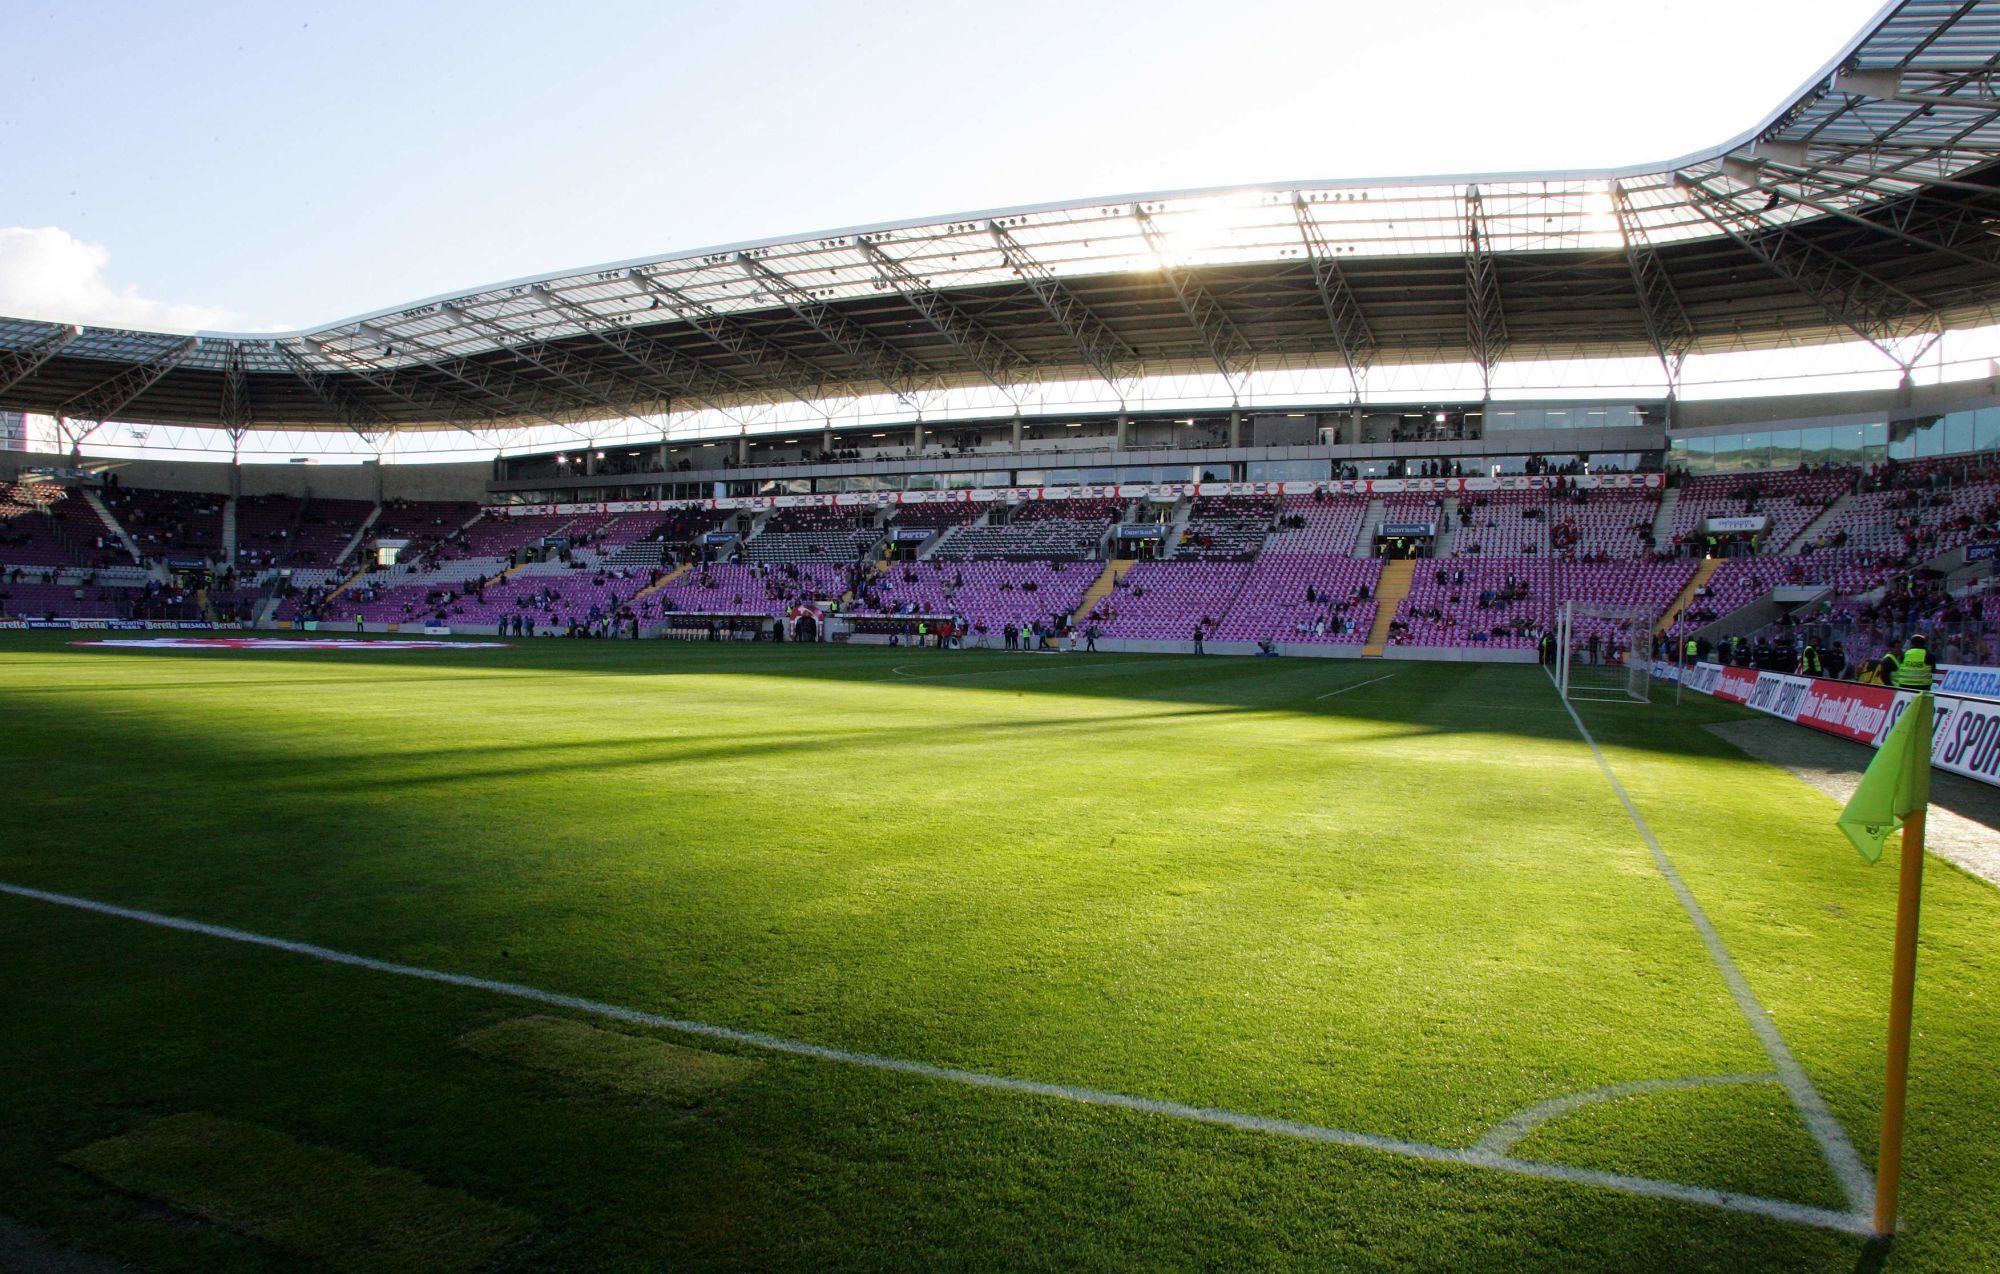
(48, 273)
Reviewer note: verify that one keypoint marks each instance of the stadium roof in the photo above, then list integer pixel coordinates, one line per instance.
(1866, 206)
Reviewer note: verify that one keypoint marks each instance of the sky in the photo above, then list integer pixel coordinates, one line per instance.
(270, 166)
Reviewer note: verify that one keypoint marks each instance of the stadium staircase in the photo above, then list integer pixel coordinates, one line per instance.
(349, 582)
(229, 558)
(664, 580)
(1390, 591)
(96, 502)
(1371, 522)
(1663, 521)
(1702, 575)
(1446, 525)
(1171, 547)
(1811, 530)
(1114, 570)
(360, 533)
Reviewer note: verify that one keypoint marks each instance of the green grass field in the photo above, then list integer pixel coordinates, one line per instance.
(1412, 910)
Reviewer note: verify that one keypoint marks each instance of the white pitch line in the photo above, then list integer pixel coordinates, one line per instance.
(1154, 660)
(1777, 1209)
(1507, 1134)
(1356, 686)
(1838, 1151)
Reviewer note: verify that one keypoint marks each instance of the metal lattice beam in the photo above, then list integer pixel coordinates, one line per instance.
(513, 396)
(1894, 220)
(900, 374)
(618, 396)
(1103, 352)
(1485, 316)
(1351, 333)
(1667, 323)
(788, 373)
(675, 374)
(1878, 312)
(992, 357)
(106, 399)
(467, 415)
(16, 365)
(235, 409)
(355, 414)
(1221, 340)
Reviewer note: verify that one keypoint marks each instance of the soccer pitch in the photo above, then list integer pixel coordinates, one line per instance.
(804, 958)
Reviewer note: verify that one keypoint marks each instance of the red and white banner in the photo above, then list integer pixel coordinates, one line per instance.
(1129, 491)
(1848, 709)
(1966, 740)
(1733, 684)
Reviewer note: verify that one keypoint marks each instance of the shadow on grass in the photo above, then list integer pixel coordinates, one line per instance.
(1446, 698)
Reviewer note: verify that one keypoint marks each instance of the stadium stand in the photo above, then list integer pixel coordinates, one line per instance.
(1790, 500)
(1044, 530)
(1246, 569)
(762, 589)
(814, 534)
(1304, 598)
(47, 524)
(169, 524)
(277, 531)
(1226, 528)
(1166, 601)
(988, 595)
(1319, 523)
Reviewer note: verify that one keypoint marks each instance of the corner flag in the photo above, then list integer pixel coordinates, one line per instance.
(1895, 792)
(1896, 782)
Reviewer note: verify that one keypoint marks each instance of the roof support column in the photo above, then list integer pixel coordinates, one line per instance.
(1485, 316)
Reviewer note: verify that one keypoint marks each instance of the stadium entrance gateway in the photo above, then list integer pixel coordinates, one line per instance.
(1395, 541)
(1142, 540)
(1734, 536)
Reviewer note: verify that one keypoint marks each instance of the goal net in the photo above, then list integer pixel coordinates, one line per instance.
(1603, 653)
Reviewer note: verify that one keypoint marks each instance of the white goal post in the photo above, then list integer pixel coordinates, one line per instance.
(1604, 653)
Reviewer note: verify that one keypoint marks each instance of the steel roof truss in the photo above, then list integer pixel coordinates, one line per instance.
(990, 356)
(1102, 350)
(16, 365)
(1220, 339)
(898, 372)
(1485, 316)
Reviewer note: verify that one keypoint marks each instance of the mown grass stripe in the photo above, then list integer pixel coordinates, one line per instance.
(1855, 1179)
(1777, 1209)
(310, 1200)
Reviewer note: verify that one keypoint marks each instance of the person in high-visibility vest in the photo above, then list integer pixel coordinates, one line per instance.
(1914, 670)
(1692, 651)
(1810, 663)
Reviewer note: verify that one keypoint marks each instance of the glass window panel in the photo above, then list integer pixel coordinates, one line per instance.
(1755, 452)
(1816, 447)
(1986, 429)
(1902, 445)
(1930, 441)
(1845, 444)
(1958, 433)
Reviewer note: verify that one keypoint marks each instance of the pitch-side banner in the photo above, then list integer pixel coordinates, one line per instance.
(1970, 680)
(1966, 739)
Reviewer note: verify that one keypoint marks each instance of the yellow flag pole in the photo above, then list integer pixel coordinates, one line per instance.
(1902, 996)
